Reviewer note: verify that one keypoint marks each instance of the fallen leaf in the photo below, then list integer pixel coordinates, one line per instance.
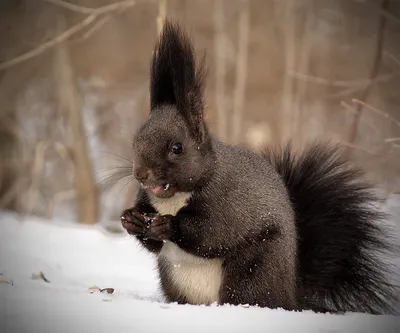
(93, 289)
(40, 276)
(7, 282)
(107, 290)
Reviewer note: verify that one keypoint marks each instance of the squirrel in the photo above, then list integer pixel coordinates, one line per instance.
(276, 229)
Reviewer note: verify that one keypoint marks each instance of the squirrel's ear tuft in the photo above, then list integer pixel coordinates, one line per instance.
(176, 79)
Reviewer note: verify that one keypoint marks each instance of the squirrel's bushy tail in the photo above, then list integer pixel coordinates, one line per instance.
(342, 239)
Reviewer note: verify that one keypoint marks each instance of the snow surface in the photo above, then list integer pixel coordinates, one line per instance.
(74, 258)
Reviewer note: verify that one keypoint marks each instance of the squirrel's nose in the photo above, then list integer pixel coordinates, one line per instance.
(141, 174)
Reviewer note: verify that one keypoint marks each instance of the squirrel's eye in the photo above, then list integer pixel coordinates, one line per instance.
(177, 148)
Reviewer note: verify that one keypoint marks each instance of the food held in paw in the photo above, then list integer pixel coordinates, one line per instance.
(149, 217)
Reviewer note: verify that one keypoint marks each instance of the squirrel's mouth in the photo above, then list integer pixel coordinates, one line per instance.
(165, 190)
(158, 189)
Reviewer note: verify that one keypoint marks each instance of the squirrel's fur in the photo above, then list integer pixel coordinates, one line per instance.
(274, 229)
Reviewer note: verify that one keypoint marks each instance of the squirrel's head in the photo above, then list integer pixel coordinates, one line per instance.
(173, 149)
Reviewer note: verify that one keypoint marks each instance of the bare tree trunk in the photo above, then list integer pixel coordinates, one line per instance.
(8, 174)
(290, 63)
(241, 70)
(374, 72)
(13, 175)
(162, 14)
(220, 72)
(303, 67)
(87, 194)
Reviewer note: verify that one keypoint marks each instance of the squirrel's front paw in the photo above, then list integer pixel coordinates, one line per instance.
(160, 228)
(134, 222)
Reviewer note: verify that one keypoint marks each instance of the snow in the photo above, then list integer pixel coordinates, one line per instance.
(74, 258)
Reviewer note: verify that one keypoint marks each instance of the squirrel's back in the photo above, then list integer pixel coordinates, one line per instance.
(245, 176)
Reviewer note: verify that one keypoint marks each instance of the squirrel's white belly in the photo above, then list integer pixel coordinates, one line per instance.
(197, 279)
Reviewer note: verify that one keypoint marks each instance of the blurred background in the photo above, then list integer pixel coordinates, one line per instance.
(74, 78)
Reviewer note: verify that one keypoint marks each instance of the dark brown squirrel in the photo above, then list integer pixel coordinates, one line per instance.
(231, 226)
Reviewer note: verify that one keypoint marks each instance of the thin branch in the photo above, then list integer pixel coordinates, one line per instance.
(345, 93)
(395, 145)
(393, 57)
(365, 150)
(393, 142)
(96, 11)
(66, 34)
(98, 25)
(43, 47)
(370, 107)
(389, 140)
(390, 16)
(356, 84)
(354, 111)
(72, 7)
